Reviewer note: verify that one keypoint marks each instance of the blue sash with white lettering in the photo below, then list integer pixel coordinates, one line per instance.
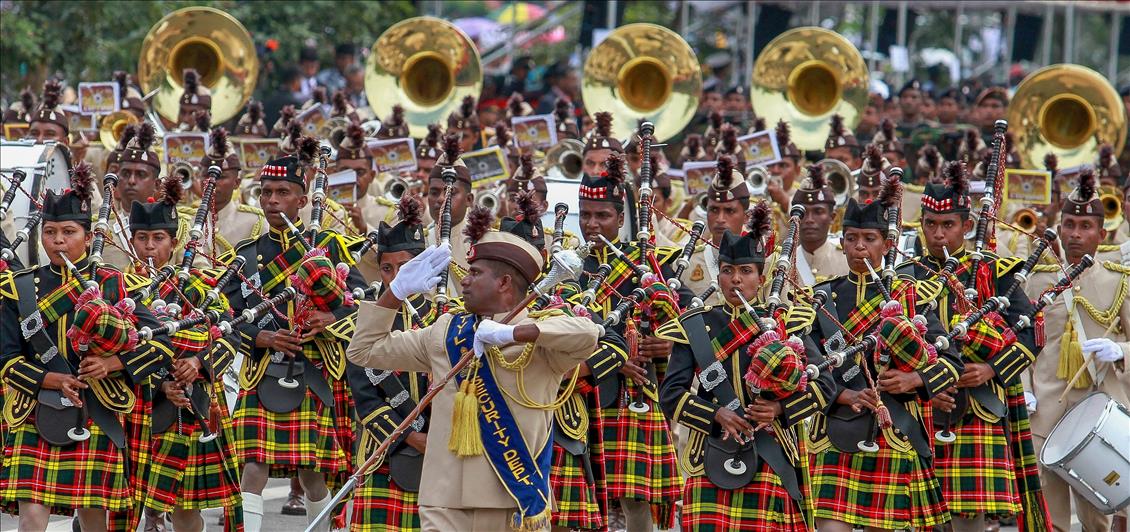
(525, 479)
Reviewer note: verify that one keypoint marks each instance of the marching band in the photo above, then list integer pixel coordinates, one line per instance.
(851, 332)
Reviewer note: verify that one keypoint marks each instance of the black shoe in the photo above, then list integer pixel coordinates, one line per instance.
(294, 505)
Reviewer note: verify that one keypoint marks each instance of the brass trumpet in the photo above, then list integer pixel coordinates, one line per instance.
(758, 180)
(1025, 219)
(564, 159)
(488, 199)
(183, 172)
(395, 188)
(1112, 207)
(840, 178)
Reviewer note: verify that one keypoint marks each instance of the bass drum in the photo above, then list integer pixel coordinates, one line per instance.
(1090, 449)
(47, 167)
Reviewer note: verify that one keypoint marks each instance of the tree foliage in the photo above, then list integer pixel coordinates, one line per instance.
(82, 41)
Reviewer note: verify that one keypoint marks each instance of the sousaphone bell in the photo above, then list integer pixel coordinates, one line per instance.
(208, 40)
(806, 75)
(111, 127)
(643, 72)
(1068, 110)
(427, 66)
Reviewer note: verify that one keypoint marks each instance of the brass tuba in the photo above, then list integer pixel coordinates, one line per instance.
(643, 72)
(426, 65)
(1068, 110)
(806, 75)
(840, 179)
(564, 159)
(208, 40)
(111, 127)
(1025, 219)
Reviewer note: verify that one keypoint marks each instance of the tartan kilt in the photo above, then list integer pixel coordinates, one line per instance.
(379, 504)
(761, 506)
(184, 473)
(312, 437)
(887, 489)
(639, 458)
(89, 474)
(578, 503)
(976, 470)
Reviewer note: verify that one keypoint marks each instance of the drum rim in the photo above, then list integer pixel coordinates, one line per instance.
(1091, 434)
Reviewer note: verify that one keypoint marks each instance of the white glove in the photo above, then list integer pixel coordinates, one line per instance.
(1105, 349)
(1030, 402)
(421, 274)
(490, 333)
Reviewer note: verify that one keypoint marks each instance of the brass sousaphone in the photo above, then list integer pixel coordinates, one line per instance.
(806, 75)
(643, 71)
(112, 126)
(427, 66)
(1068, 110)
(208, 40)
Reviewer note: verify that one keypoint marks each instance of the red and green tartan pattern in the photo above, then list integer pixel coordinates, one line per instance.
(639, 458)
(185, 473)
(576, 502)
(986, 338)
(380, 505)
(866, 313)
(323, 284)
(761, 506)
(976, 470)
(909, 351)
(736, 334)
(313, 436)
(102, 327)
(280, 268)
(1034, 516)
(887, 489)
(89, 474)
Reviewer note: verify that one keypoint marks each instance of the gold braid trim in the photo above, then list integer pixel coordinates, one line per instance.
(1105, 317)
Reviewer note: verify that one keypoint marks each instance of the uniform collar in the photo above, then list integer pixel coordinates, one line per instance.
(284, 236)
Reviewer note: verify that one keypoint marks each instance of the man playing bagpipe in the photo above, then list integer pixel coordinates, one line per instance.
(190, 463)
(138, 171)
(990, 467)
(514, 365)
(1086, 343)
(388, 501)
(293, 414)
(639, 451)
(871, 453)
(745, 462)
(71, 359)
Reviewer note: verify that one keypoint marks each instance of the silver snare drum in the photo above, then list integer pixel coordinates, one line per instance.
(48, 167)
(1090, 449)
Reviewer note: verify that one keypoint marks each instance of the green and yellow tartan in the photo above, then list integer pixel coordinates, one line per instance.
(89, 474)
(976, 470)
(763, 505)
(187, 474)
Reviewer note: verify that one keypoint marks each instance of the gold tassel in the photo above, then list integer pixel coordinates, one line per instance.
(466, 438)
(530, 523)
(1071, 357)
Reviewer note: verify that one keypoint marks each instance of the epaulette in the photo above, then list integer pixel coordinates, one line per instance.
(1116, 267)
(927, 290)
(544, 314)
(250, 208)
(385, 202)
(665, 254)
(672, 331)
(799, 319)
(455, 305)
(1107, 248)
(8, 285)
(1005, 265)
(1046, 268)
(134, 282)
(185, 210)
(352, 241)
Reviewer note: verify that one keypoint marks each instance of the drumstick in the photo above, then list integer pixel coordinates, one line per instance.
(1090, 359)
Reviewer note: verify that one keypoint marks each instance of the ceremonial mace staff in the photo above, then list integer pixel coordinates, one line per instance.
(567, 266)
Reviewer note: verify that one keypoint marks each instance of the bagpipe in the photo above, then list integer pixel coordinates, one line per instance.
(990, 202)
(8, 254)
(448, 174)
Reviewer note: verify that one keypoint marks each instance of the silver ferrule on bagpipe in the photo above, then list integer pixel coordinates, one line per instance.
(256, 312)
(988, 201)
(22, 235)
(560, 211)
(197, 317)
(878, 280)
(595, 280)
(159, 276)
(318, 196)
(1049, 295)
(833, 359)
(369, 243)
(1020, 278)
(295, 233)
(213, 294)
(643, 236)
(102, 224)
(894, 230)
(961, 328)
(205, 208)
(626, 304)
(762, 324)
(362, 293)
(10, 195)
(448, 175)
(638, 269)
(684, 260)
(87, 283)
(700, 299)
(784, 260)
